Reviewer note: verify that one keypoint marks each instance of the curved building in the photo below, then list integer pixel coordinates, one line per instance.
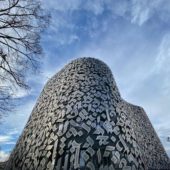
(80, 122)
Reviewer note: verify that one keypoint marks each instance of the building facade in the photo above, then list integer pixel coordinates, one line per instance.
(80, 122)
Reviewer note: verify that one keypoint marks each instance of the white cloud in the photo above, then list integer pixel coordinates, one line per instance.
(15, 122)
(13, 132)
(8, 137)
(96, 7)
(163, 131)
(143, 10)
(139, 11)
(62, 5)
(163, 59)
(15, 91)
(19, 93)
(3, 156)
(11, 143)
(66, 13)
(161, 65)
(5, 138)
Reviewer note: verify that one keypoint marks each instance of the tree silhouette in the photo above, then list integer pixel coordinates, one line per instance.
(21, 23)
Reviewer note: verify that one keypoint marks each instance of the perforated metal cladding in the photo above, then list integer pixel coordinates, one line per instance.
(81, 122)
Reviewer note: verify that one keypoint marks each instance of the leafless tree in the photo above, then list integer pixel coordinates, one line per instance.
(21, 23)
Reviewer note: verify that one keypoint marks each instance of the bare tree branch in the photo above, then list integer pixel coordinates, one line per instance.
(21, 23)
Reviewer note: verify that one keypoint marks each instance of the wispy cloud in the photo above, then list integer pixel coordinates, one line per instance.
(163, 57)
(8, 136)
(3, 156)
(137, 11)
(4, 138)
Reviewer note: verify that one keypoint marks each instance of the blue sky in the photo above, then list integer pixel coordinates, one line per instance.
(131, 36)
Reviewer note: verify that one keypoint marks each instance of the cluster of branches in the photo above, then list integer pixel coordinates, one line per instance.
(21, 23)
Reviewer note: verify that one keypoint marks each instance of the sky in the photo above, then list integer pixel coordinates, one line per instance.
(131, 36)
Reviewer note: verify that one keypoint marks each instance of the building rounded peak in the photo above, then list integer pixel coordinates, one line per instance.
(87, 67)
(88, 59)
(92, 61)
